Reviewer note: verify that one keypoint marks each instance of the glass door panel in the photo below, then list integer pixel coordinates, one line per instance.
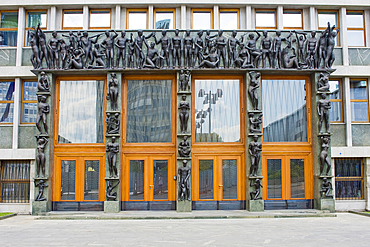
(91, 191)
(206, 179)
(68, 180)
(160, 179)
(297, 181)
(229, 179)
(136, 179)
(274, 183)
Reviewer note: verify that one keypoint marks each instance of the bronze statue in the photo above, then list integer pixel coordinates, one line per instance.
(252, 90)
(221, 43)
(257, 186)
(110, 194)
(176, 46)
(255, 149)
(63, 53)
(188, 49)
(276, 49)
(53, 49)
(43, 83)
(139, 40)
(34, 43)
(113, 123)
(211, 60)
(324, 158)
(233, 52)
(153, 58)
(184, 185)
(113, 92)
(112, 149)
(199, 47)
(44, 53)
(323, 83)
(301, 39)
(184, 107)
(311, 50)
(121, 45)
(97, 57)
(108, 45)
(289, 57)
(165, 52)
(266, 49)
(252, 47)
(40, 157)
(326, 187)
(243, 58)
(321, 47)
(72, 39)
(43, 109)
(255, 126)
(184, 147)
(41, 186)
(76, 59)
(323, 106)
(130, 53)
(88, 43)
(331, 36)
(182, 81)
(208, 41)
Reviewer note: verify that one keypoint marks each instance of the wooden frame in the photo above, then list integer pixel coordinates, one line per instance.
(237, 11)
(128, 11)
(358, 29)
(264, 11)
(361, 100)
(217, 176)
(344, 179)
(71, 10)
(286, 11)
(26, 101)
(110, 19)
(27, 28)
(9, 29)
(338, 100)
(7, 101)
(159, 10)
(326, 11)
(210, 11)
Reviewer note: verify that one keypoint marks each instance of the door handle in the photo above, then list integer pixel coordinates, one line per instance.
(150, 186)
(220, 185)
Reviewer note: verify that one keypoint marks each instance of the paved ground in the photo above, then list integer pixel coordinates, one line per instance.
(344, 230)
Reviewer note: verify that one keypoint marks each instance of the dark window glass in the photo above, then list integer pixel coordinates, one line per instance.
(205, 179)
(274, 185)
(297, 178)
(229, 179)
(160, 179)
(15, 181)
(348, 179)
(136, 179)
(68, 180)
(91, 180)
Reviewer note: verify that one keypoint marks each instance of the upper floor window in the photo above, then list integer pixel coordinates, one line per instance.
(229, 19)
(33, 19)
(331, 16)
(265, 18)
(349, 179)
(336, 100)
(164, 18)
(202, 19)
(72, 19)
(99, 19)
(355, 28)
(292, 19)
(359, 100)
(6, 101)
(29, 101)
(8, 28)
(137, 19)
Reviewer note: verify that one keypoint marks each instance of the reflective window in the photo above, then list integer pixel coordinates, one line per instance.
(8, 28)
(81, 112)
(72, 19)
(29, 102)
(335, 97)
(164, 19)
(297, 185)
(136, 179)
(284, 111)
(160, 179)
(137, 19)
(325, 16)
(359, 100)
(91, 180)
(149, 111)
(201, 19)
(6, 101)
(33, 19)
(349, 179)
(229, 19)
(292, 19)
(99, 19)
(217, 111)
(229, 179)
(266, 19)
(274, 184)
(205, 179)
(68, 180)
(355, 28)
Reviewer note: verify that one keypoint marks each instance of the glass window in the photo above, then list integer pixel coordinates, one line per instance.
(359, 100)
(68, 180)
(335, 97)
(160, 179)
(229, 179)
(355, 28)
(6, 101)
(217, 114)
(202, 19)
(72, 19)
(29, 102)
(33, 19)
(164, 19)
(8, 28)
(284, 110)
(274, 182)
(292, 19)
(15, 181)
(136, 179)
(99, 19)
(349, 179)
(229, 19)
(325, 16)
(297, 178)
(137, 19)
(205, 179)
(91, 180)
(149, 111)
(265, 19)
(81, 112)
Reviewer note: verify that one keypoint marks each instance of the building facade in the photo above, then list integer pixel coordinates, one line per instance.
(115, 136)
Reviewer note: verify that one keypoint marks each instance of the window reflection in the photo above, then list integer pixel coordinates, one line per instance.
(202, 20)
(359, 100)
(91, 180)
(265, 18)
(160, 179)
(136, 179)
(284, 111)
(137, 20)
(335, 97)
(205, 179)
(164, 20)
(217, 111)
(99, 18)
(229, 20)
(229, 179)
(68, 180)
(292, 18)
(274, 184)
(73, 18)
(297, 186)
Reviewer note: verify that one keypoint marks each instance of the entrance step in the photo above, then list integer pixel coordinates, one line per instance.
(196, 214)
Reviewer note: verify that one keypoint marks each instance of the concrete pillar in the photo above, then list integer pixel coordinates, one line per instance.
(306, 19)
(313, 18)
(367, 27)
(248, 17)
(20, 35)
(279, 17)
(150, 16)
(343, 35)
(118, 17)
(86, 16)
(183, 17)
(52, 16)
(216, 21)
(123, 18)
(17, 111)
(347, 110)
